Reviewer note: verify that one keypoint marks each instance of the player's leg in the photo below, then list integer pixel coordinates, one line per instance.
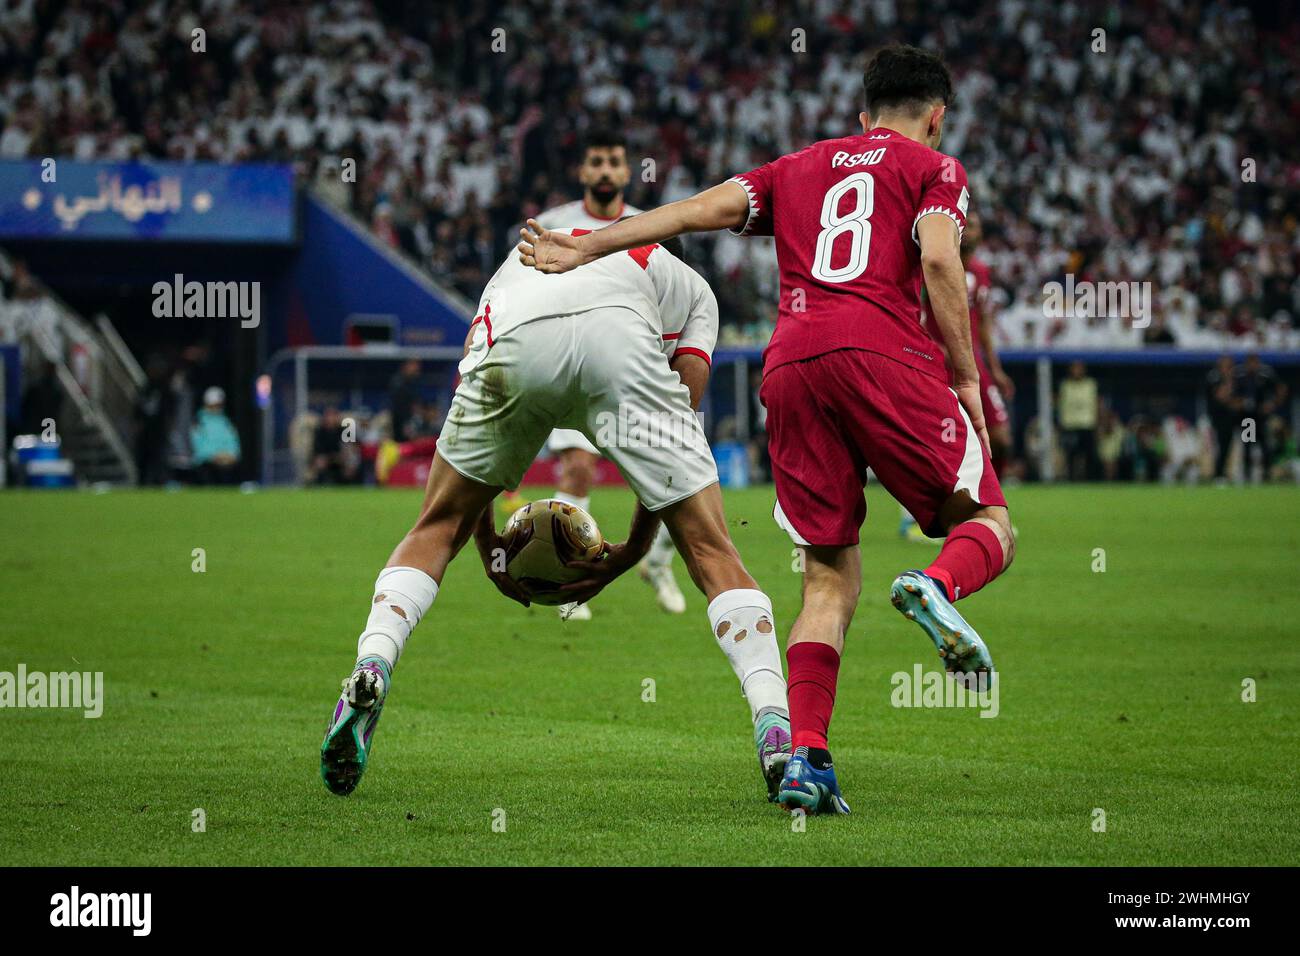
(832, 582)
(740, 619)
(643, 422)
(499, 417)
(818, 475)
(403, 594)
(576, 463)
(923, 449)
(979, 546)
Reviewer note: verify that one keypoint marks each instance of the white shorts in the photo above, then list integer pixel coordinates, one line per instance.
(600, 372)
(563, 439)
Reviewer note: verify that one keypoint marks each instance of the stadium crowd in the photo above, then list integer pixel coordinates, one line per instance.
(1146, 142)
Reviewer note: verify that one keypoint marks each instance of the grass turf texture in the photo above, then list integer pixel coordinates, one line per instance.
(1120, 690)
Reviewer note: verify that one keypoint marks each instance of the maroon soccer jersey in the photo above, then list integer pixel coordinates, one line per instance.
(844, 214)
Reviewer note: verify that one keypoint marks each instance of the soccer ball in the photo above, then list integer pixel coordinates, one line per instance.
(540, 537)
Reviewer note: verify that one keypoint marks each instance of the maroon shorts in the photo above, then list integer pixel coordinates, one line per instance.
(832, 417)
(995, 408)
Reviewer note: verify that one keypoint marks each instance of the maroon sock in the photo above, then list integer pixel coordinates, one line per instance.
(813, 669)
(971, 558)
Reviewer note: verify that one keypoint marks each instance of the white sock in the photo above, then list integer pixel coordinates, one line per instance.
(744, 627)
(402, 597)
(583, 502)
(663, 549)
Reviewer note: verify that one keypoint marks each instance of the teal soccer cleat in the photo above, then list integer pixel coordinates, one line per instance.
(772, 736)
(920, 598)
(348, 739)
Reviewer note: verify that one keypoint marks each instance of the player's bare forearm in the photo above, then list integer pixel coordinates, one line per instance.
(694, 373)
(484, 533)
(945, 284)
(723, 206)
(645, 524)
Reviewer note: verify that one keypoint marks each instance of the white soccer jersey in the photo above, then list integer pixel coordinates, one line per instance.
(575, 214)
(670, 296)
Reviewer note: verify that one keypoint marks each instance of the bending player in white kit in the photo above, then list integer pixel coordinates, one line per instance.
(585, 350)
(604, 174)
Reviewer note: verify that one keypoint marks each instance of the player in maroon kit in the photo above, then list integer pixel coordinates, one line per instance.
(995, 385)
(852, 380)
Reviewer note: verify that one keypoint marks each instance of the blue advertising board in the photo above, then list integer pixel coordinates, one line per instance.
(155, 201)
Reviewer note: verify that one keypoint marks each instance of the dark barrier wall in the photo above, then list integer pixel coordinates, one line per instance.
(342, 277)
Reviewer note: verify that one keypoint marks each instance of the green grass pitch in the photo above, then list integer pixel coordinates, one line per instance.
(1121, 690)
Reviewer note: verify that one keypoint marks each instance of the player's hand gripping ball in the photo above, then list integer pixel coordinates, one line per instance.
(540, 537)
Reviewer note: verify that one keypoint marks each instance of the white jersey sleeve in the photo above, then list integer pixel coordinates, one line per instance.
(687, 307)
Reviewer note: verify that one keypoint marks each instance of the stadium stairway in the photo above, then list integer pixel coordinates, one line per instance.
(97, 379)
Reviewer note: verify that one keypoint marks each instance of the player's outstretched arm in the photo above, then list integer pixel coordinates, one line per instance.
(945, 283)
(725, 206)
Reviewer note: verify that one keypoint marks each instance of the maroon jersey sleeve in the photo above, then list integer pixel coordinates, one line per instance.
(943, 192)
(757, 184)
(760, 185)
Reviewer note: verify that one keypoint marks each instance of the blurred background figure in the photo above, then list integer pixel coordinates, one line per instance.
(1148, 451)
(1224, 410)
(1111, 439)
(1259, 393)
(425, 421)
(1182, 452)
(333, 462)
(1077, 408)
(214, 442)
(403, 396)
(153, 411)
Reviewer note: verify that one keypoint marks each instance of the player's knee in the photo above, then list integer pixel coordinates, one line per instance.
(714, 565)
(440, 525)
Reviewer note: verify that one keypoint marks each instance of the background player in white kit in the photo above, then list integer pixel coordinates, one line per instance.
(588, 350)
(604, 174)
